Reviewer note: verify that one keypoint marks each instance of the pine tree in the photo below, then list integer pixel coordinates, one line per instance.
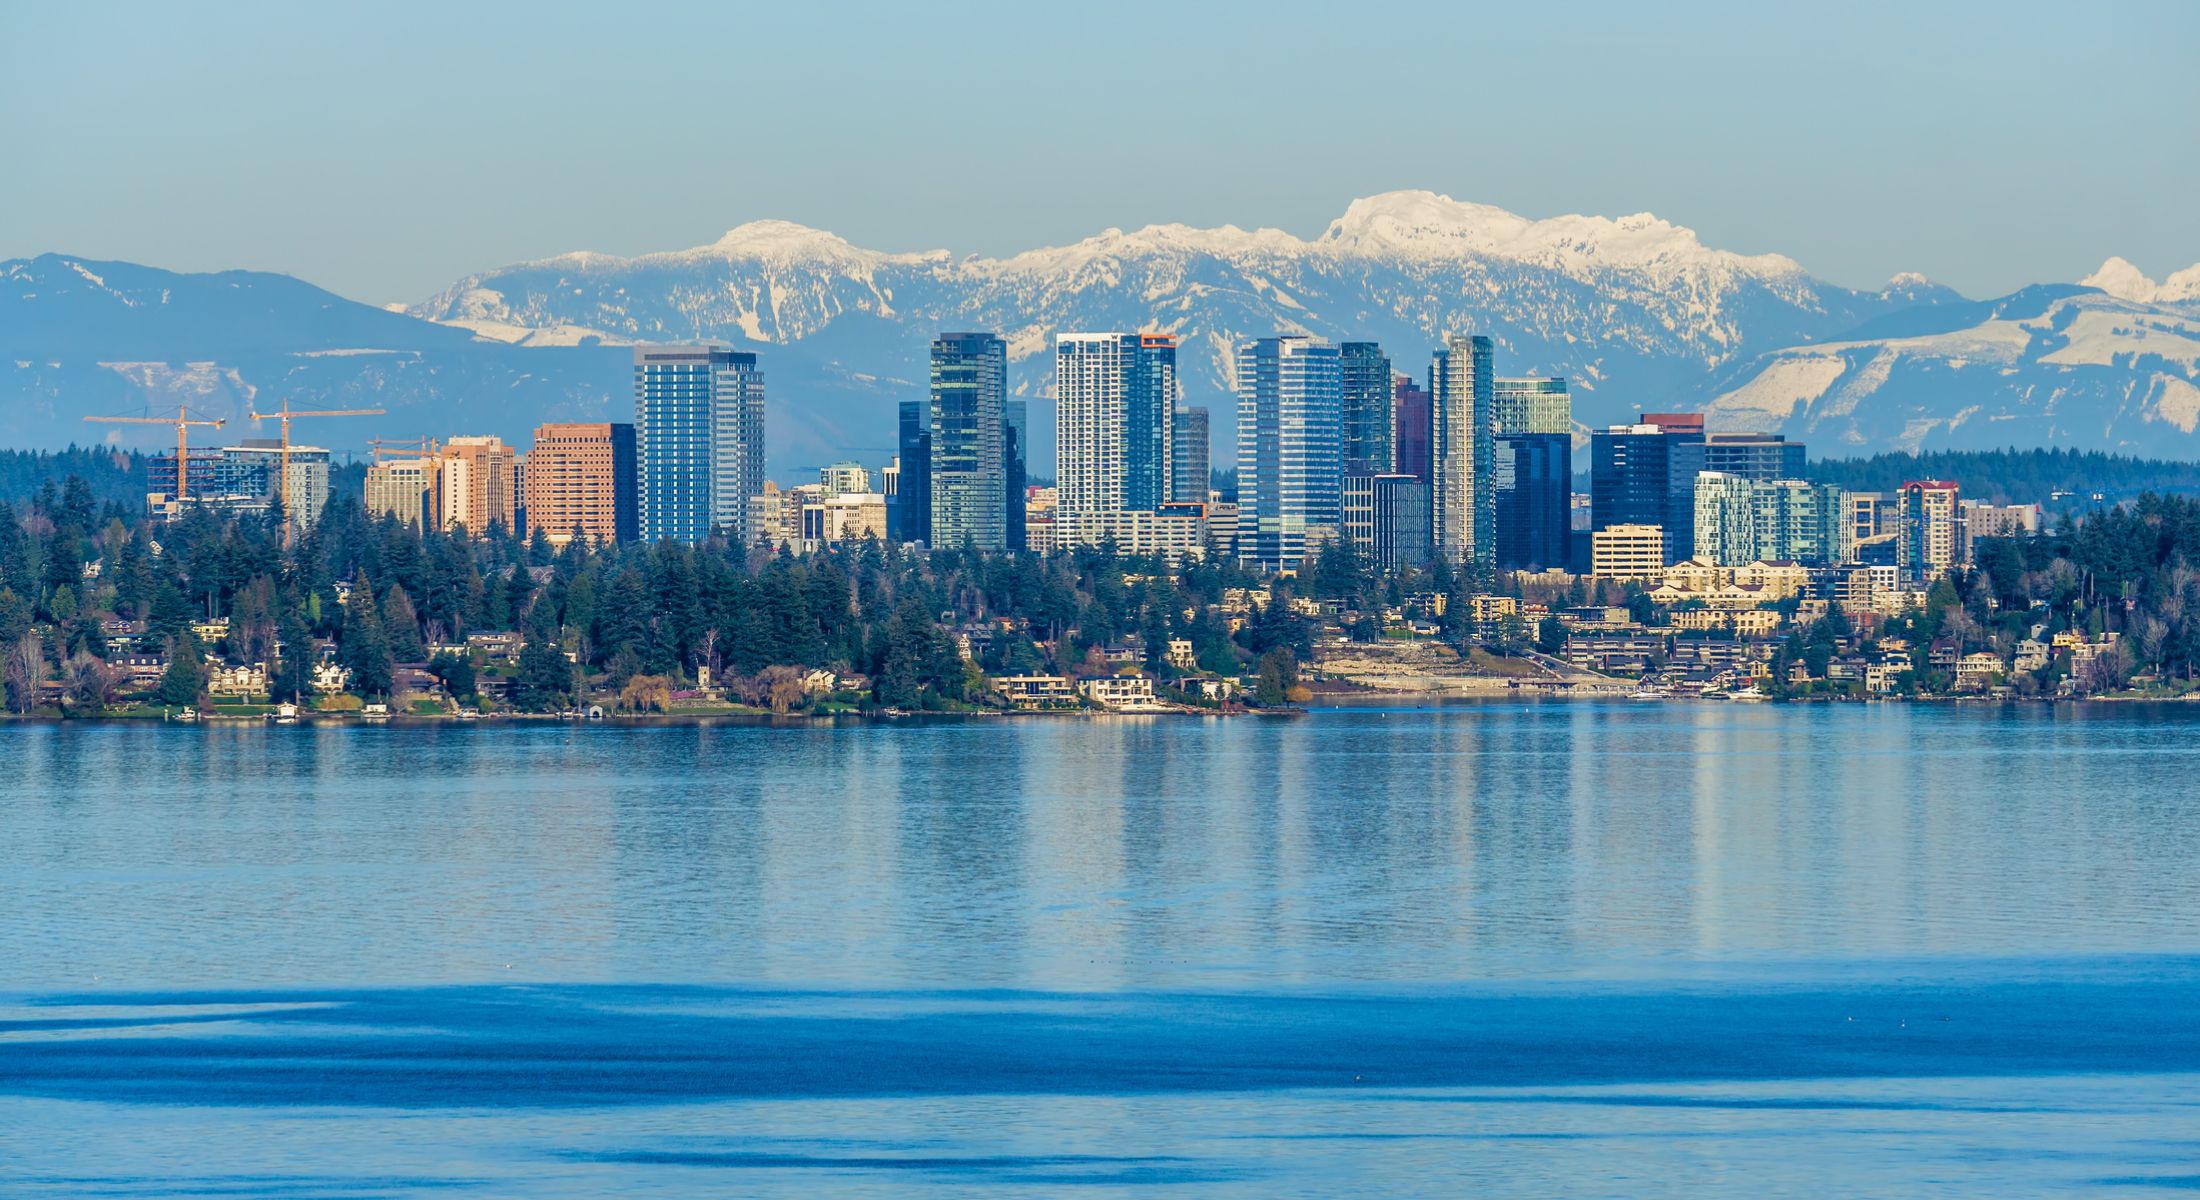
(402, 626)
(181, 682)
(364, 645)
(293, 676)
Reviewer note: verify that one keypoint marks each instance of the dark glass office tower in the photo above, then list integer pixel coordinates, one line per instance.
(1017, 448)
(1757, 457)
(1411, 415)
(1534, 478)
(1189, 472)
(1369, 438)
(911, 516)
(1645, 474)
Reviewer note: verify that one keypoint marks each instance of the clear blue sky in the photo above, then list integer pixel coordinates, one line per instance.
(384, 149)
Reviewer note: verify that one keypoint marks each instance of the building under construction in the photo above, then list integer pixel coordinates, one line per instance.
(242, 479)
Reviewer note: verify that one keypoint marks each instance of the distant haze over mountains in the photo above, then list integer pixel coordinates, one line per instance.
(1635, 311)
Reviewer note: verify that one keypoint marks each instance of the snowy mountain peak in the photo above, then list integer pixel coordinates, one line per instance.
(1405, 220)
(1421, 224)
(2119, 278)
(792, 242)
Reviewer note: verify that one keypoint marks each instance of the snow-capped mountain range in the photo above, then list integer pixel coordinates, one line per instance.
(1636, 311)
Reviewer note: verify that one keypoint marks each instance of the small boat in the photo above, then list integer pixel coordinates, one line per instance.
(376, 711)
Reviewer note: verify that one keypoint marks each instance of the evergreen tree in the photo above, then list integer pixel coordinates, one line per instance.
(402, 626)
(545, 678)
(456, 671)
(293, 676)
(185, 677)
(364, 646)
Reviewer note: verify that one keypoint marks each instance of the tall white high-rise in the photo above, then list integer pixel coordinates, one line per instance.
(1115, 401)
(1463, 452)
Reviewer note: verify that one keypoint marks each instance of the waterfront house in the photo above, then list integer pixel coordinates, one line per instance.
(1118, 691)
(2032, 655)
(1977, 672)
(248, 679)
(1033, 692)
(330, 678)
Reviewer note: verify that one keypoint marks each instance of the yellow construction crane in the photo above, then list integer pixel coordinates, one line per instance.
(183, 421)
(420, 447)
(286, 414)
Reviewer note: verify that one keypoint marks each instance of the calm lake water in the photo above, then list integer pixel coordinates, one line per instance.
(1566, 948)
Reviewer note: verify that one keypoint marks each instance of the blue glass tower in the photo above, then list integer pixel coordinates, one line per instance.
(698, 440)
(1290, 480)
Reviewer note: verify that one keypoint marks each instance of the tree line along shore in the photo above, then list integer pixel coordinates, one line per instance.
(104, 613)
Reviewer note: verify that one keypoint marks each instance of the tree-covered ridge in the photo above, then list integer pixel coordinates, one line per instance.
(117, 476)
(2015, 476)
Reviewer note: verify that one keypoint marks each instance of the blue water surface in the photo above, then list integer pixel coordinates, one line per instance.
(1552, 949)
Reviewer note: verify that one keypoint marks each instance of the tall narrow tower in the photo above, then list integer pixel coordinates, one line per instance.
(1462, 452)
(970, 441)
(1289, 476)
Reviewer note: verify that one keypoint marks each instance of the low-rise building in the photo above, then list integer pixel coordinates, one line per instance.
(1744, 622)
(249, 679)
(1177, 532)
(1118, 691)
(1977, 672)
(496, 646)
(1627, 552)
(1489, 608)
(1036, 691)
(2032, 655)
(1615, 651)
(1179, 654)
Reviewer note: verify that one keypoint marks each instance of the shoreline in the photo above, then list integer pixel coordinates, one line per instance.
(1336, 701)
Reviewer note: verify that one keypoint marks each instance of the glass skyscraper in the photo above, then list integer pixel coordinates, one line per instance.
(1740, 520)
(1016, 475)
(1289, 419)
(1758, 457)
(1410, 413)
(909, 517)
(1534, 478)
(1369, 433)
(1463, 452)
(1645, 474)
(1533, 406)
(1189, 473)
(699, 440)
(970, 437)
